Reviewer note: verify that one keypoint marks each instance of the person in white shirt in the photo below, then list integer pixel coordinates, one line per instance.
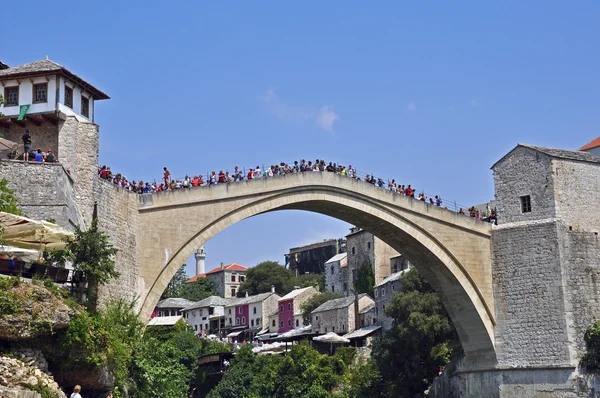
(76, 392)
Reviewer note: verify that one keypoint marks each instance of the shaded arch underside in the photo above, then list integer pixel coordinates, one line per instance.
(466, 305)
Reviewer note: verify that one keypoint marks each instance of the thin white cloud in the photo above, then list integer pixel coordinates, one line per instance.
(324, 118)
(474, 102)
(411, 106)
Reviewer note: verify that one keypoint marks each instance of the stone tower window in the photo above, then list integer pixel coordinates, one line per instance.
(40, 93)
(11, 96)
(526, 204)
(69, 97)
(369, 245)
(85, 106)
(353, 250)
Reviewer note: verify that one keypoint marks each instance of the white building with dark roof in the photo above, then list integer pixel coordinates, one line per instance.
(48, 89)
(171, 307)
(207, 316)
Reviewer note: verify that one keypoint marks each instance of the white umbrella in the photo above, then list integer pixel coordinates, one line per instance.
(331, 337)
(32, 234)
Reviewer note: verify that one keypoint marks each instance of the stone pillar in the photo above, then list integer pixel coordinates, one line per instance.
(78, 144)
(200, 257)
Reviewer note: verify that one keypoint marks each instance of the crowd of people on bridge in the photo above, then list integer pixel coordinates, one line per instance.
(168, 183)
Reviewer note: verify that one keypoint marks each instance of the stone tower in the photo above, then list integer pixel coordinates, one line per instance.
(200, 257)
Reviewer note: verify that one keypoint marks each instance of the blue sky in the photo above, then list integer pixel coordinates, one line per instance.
(430, 93)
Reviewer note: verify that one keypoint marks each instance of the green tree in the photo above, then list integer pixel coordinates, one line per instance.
(365, 280)
(8, 200)
(176, 285)
(198, 290)
(92, 255)
(421, 340)
(306, 280)
(309, 305)
(260, 278)
(302, 373)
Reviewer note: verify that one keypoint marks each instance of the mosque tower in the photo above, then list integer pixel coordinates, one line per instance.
(200, 257)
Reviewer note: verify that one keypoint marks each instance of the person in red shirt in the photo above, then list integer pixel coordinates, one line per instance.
(250, 174)
(221, 177)
(195, 181)
(201, 180)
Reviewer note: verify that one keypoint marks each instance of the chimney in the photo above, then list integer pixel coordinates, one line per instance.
(221, 265)
(272, 288)
(246, 293)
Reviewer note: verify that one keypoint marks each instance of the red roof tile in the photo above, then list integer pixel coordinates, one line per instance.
(229, 267)
(195, 278)
(592, 144)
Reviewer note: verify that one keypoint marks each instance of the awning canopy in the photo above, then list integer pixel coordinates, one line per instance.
(234, 334)
(362, 332)
(32, 234)
(265, 330)
(20, 253)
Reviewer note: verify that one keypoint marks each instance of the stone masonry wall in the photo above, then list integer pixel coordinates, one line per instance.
(43, 137)
(336, 277)
(580, 255)
(383, 254)
(44, 190)
(118, 217)
(531, 326)
(360, 246)
(577, 185)
(524, 172)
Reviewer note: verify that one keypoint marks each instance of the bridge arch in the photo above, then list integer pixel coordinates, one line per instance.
(450, 250)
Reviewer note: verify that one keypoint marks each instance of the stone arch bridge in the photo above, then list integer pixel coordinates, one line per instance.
(452, 251)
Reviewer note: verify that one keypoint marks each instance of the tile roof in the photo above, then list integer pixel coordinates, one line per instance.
(592, 144)
(579, 156)
(250, 299)
(209, 302)
(337, 257)
(174, 302)
(195, 278)
(46, 66)
(296, 292)
(229, 267)
(337, 303)
(393, 277)
(362, 332)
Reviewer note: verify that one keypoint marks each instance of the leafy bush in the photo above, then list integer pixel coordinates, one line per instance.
(591, 359)
(304, 372)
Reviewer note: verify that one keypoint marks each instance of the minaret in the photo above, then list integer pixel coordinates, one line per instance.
(200, 256)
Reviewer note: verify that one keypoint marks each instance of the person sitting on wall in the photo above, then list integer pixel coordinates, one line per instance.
(39, 156)
(49, 157)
